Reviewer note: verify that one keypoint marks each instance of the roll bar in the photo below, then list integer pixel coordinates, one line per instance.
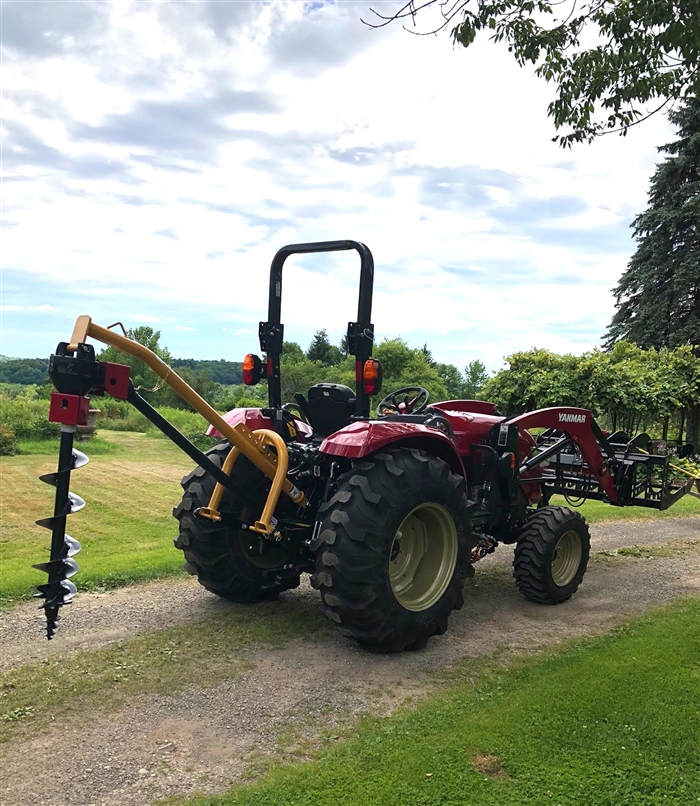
(360, 334)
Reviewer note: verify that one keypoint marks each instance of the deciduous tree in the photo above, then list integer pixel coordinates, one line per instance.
(608, 59)
(142, 376)
(475, 376)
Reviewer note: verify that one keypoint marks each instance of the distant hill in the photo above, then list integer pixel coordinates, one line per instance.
(35, 370)
(24, 370)
(225, 372)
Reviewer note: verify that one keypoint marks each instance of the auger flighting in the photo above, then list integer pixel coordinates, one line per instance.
(59, 590)
(69, 407)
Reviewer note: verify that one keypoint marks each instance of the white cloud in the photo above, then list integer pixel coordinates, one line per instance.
(227, 137)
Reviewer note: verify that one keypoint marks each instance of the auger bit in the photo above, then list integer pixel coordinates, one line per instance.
(59, 590)
(73, 377)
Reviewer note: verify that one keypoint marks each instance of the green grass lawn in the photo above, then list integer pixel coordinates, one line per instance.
(611, 721)
(126, 528)
(600, 512)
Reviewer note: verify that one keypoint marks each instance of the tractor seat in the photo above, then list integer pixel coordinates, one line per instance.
(331, 405)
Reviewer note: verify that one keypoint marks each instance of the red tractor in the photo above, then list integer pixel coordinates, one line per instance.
(388, 514)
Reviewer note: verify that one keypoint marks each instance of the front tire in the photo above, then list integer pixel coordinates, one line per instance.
(551, 555)
(228, 561)
(393, 550)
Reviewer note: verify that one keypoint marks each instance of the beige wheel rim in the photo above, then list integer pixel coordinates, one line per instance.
(566, 558)
(423, 557)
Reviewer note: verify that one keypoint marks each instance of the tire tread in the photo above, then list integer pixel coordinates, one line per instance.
(531, 562)
(351, 568)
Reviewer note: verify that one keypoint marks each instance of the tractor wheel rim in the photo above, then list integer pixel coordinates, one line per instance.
(423, 556)
(566, 558)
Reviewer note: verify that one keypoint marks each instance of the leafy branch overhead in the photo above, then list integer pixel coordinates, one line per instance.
(608, 59)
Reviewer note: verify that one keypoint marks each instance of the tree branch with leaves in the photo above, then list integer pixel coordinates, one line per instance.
(609, 59)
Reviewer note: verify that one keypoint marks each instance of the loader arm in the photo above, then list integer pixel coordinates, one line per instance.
(621, 474)
(583, 431)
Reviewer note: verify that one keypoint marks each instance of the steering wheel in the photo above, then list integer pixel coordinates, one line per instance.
(416, 405)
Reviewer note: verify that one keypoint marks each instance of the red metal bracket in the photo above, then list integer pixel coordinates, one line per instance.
(69, 409)
(117, 380)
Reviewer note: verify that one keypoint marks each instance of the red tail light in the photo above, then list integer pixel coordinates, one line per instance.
(252, 369)
(371, 377)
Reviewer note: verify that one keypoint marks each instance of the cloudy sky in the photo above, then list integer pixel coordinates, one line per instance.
(155, 156)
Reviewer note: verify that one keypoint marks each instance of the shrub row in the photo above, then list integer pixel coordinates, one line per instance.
(24, 419)
(27, 419)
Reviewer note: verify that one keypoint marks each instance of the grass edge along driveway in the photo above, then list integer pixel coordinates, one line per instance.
(608, 721)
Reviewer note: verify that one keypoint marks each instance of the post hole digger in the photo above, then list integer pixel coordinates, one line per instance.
(388, 514)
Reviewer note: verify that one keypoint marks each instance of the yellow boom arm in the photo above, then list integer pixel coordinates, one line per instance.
(255, 446)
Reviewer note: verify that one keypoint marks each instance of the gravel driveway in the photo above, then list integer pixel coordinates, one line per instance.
(205, 739)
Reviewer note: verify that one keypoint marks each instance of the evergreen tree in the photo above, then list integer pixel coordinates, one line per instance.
(658, 296)
(322, 350)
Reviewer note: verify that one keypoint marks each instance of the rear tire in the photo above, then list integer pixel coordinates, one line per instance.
(551, 555)
(227, 560)
(393, 550)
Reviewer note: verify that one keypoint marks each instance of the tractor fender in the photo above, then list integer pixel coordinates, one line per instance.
(363, 438)
(254, 419)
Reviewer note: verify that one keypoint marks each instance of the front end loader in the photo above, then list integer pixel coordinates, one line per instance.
(387, 514)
